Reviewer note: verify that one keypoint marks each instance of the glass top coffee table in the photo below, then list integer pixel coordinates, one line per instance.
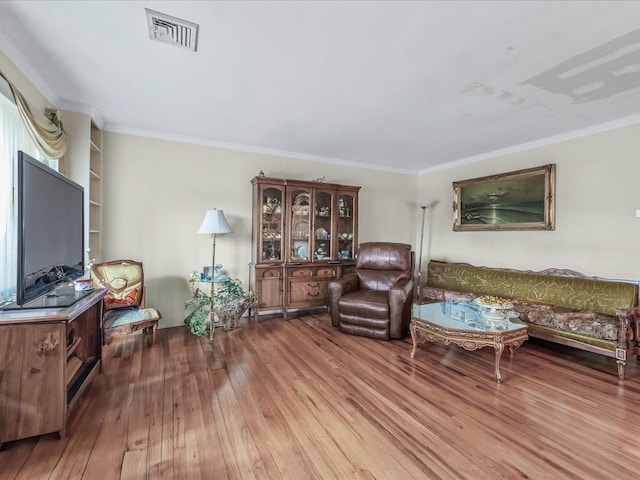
(468, 326)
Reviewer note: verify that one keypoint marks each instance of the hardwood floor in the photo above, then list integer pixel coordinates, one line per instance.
(299, 400)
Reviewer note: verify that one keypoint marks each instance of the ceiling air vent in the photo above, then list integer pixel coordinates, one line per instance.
(171, 30)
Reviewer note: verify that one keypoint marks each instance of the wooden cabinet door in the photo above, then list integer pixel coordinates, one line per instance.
(33, 396)
(269, 227)
(269, 287)
(347, 225)
(299, 244)
(323, 234)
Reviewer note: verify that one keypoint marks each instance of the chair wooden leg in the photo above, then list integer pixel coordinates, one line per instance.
(154, 331)
(151, 330)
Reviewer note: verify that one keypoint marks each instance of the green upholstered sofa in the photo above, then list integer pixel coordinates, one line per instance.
(562, 306)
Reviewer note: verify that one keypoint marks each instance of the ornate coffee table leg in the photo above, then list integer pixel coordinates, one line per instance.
(499, 347)
(412, 329)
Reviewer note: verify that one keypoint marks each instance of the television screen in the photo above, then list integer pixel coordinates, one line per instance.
(50, 231)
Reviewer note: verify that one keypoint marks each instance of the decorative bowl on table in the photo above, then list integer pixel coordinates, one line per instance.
(493, 303)
(495, 320)
(497, 311)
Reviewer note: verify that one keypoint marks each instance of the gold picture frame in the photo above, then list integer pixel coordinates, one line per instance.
(519, 200)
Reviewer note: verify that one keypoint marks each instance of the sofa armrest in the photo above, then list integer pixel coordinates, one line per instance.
(629, 326)
(400, 299)
(337, 288)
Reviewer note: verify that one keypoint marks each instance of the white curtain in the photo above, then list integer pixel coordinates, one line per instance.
(13, 137)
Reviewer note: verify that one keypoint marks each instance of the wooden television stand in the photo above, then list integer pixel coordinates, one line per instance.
(48, 356)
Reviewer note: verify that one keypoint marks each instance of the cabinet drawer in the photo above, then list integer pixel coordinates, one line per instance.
(308, 292)
(324, 272)
(268, 273)
(327, 272)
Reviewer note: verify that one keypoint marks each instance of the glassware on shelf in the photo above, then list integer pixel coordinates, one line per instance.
(321, 253)
(322, 234)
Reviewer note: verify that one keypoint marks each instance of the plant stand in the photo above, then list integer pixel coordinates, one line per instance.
(224, 307)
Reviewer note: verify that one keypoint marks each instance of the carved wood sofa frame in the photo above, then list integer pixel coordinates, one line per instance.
(627, 345)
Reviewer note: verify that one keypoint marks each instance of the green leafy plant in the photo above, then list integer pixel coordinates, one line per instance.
(198, 319)
(230, 301)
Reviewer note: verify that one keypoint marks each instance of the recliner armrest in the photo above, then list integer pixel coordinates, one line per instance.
(343, 285)
(402, 290)
(400, 299)
(337, 288)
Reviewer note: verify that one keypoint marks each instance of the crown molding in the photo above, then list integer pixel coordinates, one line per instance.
(583, 132)
(27, 69)
(90, 110)
(116, 128)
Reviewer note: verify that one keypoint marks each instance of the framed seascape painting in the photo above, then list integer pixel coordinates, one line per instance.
(521, 200)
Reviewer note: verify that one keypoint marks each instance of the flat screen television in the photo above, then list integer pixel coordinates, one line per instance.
(50, 235)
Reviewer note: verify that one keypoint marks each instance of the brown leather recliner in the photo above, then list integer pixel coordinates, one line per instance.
(376, 300)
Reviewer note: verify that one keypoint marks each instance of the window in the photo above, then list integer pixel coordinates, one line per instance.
(13, 137)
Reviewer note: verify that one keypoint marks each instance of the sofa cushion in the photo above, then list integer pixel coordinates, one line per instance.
(590, 324)
(554, 335)
(126, 316)
(457, 297)
(574, 293)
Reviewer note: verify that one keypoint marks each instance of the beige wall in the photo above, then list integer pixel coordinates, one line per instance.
(597, 195)
(155, 194)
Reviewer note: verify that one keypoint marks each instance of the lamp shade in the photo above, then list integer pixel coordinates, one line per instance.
(214, 223)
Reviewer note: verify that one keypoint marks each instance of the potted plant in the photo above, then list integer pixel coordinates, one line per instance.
(229, 302)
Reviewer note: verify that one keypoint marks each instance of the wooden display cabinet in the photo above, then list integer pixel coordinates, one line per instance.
(48, 356)
(304, 235)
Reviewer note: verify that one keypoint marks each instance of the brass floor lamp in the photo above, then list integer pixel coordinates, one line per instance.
(214, 223)
(418, 290)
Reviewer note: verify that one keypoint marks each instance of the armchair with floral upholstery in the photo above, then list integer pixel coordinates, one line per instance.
(124, 304)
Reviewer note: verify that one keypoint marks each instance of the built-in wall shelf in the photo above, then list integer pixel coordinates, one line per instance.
(95, 147)
(83, 164)
(95, 194)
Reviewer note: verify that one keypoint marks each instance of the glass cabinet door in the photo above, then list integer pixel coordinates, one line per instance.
(271, 238)
(300, 225)
(322, 226)
(346, 234)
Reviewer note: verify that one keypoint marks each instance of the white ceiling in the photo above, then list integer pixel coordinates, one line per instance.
(405, 86)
